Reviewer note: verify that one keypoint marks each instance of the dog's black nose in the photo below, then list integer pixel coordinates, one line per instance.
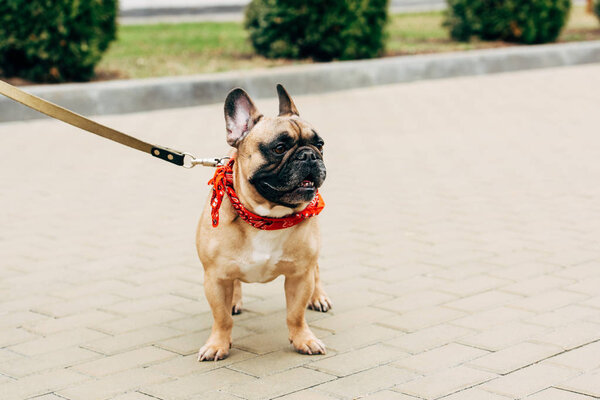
(305, 154)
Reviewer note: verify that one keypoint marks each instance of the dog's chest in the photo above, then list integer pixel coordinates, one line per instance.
(266, 250)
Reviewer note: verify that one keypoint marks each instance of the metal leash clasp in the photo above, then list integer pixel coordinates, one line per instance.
(190, 161)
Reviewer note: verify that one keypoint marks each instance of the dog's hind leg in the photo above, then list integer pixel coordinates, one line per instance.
(319, 301)
(236, 306)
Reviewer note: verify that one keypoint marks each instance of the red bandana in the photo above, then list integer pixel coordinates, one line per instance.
(223, 182)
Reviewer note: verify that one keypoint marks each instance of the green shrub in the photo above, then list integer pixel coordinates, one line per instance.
(322, 30)
(597, 8)
(54, 40)
(523, 21)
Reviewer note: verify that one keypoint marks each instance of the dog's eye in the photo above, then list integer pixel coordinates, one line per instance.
(319, 147)
(280, 149)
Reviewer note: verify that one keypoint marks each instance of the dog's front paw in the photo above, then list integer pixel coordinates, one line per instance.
(320, 302)
(214, 350)
(307, 343)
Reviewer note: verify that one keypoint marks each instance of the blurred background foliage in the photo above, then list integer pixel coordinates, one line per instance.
(55, 40)
(321, 30)
(523, 21)
(63, 40)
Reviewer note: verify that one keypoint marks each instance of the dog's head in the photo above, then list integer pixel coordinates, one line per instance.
(280, 158)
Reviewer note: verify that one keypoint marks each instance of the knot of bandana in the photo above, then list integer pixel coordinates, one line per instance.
(222, 183)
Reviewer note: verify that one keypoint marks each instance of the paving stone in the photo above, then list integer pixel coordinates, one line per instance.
(74, 306)
(187, 365)
(475, 284)
(214, 395)
(503, 336)
(58, 341)
(475, 394)
(515, 357)
(359, 336)
(13, 336)
(482, 301)
(584, 358)
(482, 320)
(564, 316)
(415, 320)
(49, 396)
(429, 338)
(263, 343)
(366, 382)
(350, 319)
(388, 395)
(131, 340)
(133, 322)
(579, 272)
(416, 300)
(593, 302)
(537, 285)
(572, 335)
(280, 384)
(278, 361)
(587, 286)
(588, 384)
(133, 396)
(443, 357)
(23, 366)
(558, 394)
(42, 383)
(478, 258)
(111, 385)
(529, 380)
(358, 360)
(196, 384)
(123, 361)
(307, 394)
(20, 318)
(525, 270)
(191, 342)
(549, 300)
(53, 325)
(445, 382)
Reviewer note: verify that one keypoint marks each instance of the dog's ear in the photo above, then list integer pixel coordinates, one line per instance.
(240, 116)
(286, 105)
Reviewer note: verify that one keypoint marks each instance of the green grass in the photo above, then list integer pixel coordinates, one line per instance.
(190, 48)
(179, 49)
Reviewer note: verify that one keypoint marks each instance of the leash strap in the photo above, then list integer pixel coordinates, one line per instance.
(71, 118)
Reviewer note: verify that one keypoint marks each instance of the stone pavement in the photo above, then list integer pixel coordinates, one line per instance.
(461, 250)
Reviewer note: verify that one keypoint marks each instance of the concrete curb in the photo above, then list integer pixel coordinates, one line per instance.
(118, 97)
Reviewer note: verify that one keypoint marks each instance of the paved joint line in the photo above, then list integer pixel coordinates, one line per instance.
(572, 391)
(147, 394)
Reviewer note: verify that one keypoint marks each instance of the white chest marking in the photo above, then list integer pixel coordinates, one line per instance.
(265, 252)
(275, 212)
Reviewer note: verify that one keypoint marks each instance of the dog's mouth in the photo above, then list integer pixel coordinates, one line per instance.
(297, 186)
(307, 183)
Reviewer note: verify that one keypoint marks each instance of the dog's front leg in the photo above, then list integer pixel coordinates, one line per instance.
(219, 293)
(298, 289)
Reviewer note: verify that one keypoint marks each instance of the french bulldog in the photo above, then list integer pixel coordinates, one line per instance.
(275, 170)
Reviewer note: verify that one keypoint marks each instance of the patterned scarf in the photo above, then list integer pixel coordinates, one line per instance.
(222, 183)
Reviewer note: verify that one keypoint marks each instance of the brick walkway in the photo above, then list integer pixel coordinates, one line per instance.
(460, 249)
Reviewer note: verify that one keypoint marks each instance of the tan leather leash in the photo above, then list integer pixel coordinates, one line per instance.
(52, 110)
